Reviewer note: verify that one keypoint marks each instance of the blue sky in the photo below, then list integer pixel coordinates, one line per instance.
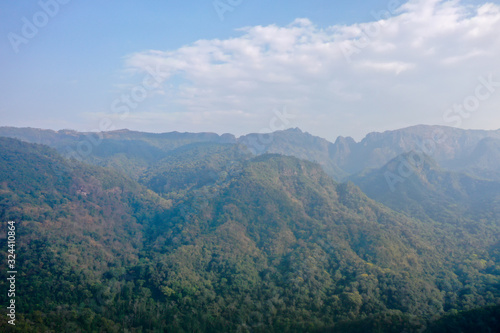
(426, 62)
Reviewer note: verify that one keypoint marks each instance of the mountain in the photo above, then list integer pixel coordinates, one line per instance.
(484, 161)
(446, 145)
(414, 183)
(127, 151)
(165, 141)
(230, 242)
(294, 142)
(450, 147)
(472, 151)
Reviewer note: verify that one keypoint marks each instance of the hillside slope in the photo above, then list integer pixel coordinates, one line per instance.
(415, 184)
(276, 247)
(77, 226)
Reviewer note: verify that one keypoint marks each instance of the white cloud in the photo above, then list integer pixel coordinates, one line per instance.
(395, 67)
(404, 69)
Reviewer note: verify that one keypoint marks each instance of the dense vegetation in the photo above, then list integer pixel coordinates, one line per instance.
(427, 191)
(211, 239)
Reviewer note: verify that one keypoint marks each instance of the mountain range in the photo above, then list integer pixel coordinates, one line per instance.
(476, 152)
(283, 232)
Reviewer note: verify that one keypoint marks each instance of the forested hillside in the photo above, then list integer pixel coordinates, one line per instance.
(205, 237)
(77, 225)
(426, 191)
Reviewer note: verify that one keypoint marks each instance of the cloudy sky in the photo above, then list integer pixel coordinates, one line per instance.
(328, 67)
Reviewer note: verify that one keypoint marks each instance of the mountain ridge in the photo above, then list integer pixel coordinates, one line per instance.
(472, 151)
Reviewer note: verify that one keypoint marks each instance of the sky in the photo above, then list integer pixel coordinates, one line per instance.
(238, 66)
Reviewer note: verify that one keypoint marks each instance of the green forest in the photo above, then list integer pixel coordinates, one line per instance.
(203, 236)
